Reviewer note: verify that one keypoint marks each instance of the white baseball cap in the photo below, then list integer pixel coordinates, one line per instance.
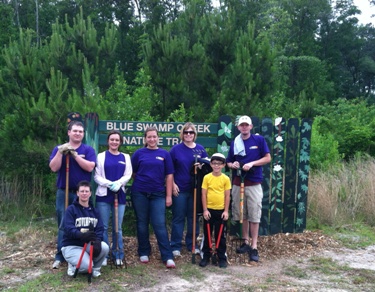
(218, 156)
(244, 120)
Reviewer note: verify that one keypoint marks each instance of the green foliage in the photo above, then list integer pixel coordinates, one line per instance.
(351, 124)
(324, 148)
(68, 72)
(180, 115)
(183, 60)
(7, 29)
(132, 103)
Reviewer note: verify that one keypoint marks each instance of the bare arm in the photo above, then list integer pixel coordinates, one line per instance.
(85, 164)
(168, 189)
(55, 163)
(225, 215)
(206, 213)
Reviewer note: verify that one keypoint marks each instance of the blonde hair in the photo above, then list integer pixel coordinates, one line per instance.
(185, 128)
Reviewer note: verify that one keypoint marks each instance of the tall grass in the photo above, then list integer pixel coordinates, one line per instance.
(22, 197)
(343, 193)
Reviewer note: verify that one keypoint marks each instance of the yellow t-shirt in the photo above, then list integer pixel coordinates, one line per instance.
(216, 187)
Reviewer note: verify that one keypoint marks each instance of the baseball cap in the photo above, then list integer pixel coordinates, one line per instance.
(218, 156)
(244, 119)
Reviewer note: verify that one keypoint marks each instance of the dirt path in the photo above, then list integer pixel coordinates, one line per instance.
(309, 261)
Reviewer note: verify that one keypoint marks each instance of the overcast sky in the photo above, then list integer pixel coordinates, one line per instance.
(367, 11)
(363, 5)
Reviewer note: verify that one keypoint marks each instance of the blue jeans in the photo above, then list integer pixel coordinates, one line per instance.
(182, 208)
(151, 207)
(105, 210)
(60, 212)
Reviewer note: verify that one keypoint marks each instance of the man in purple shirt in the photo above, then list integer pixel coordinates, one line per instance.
(82, 160)
(249, 153)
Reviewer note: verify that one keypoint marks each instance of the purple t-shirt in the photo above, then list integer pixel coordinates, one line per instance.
(256, 148)
(114, 168)
(76, 173)
(150, 167)
(183, 159)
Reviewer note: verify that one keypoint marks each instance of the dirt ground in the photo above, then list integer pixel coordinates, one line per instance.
(286, 264)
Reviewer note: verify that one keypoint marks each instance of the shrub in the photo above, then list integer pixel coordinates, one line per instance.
(324, 148)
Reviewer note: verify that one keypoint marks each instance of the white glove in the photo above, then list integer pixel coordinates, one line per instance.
(115, 186)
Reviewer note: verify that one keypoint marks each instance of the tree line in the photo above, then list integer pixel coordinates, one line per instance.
(183, 60)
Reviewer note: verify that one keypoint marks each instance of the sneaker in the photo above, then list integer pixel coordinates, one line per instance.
(96, 272)
(105, 262)
(204, 262)
(119, 262)
(176, 253)
(71, 269)
(244, 248)
(253, 255)
(56, 264)
(144, 259)
(170, 264)
(223, 264)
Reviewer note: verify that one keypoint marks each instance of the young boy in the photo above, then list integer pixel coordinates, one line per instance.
(215, 201)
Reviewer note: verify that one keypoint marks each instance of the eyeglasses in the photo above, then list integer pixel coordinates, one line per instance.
(189, 132)
(217, 163)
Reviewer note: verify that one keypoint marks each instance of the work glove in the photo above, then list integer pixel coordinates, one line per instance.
(73, 153)
(97, 247)
(87, 236)
(64, 148)
(115, 186)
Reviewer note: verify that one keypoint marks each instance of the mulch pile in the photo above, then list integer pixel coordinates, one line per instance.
(37, 252)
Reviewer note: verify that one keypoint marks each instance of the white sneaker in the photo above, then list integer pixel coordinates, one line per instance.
(71, 269)
(119, 262)
(170, 264)
(104, 262)
(56, 264)
(144, 259)
(176, 253)
(96, 272)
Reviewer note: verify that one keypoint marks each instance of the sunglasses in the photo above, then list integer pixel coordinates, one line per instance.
(217, 163)
(189, 132)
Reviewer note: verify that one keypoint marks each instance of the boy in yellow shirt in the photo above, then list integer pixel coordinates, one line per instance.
(215, 201)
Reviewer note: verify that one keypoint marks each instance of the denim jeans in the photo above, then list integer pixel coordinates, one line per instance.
(60, 212)
(182, 208)
(105, 210)
(150, 207)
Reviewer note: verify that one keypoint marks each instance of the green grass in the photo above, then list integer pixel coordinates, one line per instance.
(189, 272)
(355, 235)
(326, 266)
(48, 281)
(295, 271)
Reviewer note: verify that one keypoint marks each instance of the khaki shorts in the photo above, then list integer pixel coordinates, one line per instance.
(252, 203)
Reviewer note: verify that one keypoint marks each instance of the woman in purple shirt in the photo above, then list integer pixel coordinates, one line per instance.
(184, 155)
(151, 194)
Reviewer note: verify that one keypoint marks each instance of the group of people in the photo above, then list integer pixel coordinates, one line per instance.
(160, 179)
